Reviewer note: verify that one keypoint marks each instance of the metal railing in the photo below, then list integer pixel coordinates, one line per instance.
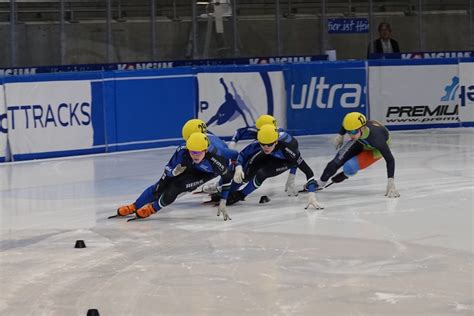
(64, 17)
(47, 10)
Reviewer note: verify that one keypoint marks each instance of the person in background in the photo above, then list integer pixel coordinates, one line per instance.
(384, 44)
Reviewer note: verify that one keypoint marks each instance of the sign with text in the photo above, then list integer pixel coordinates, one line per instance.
(49, 116)
(408, 95)
(19, 71)
(425, 55)
(465, 91)
(352, 25)
(320, 95)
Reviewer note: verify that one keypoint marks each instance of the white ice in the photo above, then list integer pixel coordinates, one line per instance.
(364, 254)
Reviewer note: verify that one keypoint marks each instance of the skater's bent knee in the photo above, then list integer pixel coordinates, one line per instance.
(351, 167)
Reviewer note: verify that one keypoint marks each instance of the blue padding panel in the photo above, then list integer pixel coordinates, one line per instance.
(3, 127)
(150, 106)
(109, 109)
(319, 95)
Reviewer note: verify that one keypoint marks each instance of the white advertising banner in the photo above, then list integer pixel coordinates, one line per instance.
(228, 101)
(414, 95)
(3, 126)
(466, 91)
(49, 116)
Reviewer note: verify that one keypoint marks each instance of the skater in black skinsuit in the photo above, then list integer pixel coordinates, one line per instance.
(369, 141)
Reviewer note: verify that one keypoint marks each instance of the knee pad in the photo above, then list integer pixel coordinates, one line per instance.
(351, 167)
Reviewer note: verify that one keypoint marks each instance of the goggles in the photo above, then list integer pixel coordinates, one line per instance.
(354, 132)
(195, 153)
(267, 145)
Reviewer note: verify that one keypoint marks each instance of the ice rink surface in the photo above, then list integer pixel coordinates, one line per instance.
(364, 254)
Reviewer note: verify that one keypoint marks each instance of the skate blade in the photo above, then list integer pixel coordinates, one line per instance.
(317, 189)
(212, 203)
(118, 216)
(328, 185)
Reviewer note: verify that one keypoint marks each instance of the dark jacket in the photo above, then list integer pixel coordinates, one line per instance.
(378, 49)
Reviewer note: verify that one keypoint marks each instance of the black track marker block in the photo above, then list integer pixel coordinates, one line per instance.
(93, 312)
(264, 199)
(80, 244)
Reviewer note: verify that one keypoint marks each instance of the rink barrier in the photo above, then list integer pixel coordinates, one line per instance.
(52, 115)
(62, 114)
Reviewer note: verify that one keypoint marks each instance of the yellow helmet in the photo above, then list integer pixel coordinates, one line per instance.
(193, 126)
(353, 121)
(197, 142)
(265, 119)
(267, 134)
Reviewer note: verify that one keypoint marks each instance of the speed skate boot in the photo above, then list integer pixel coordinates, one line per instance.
(126, 210)
(145, 211)
(341, 176)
